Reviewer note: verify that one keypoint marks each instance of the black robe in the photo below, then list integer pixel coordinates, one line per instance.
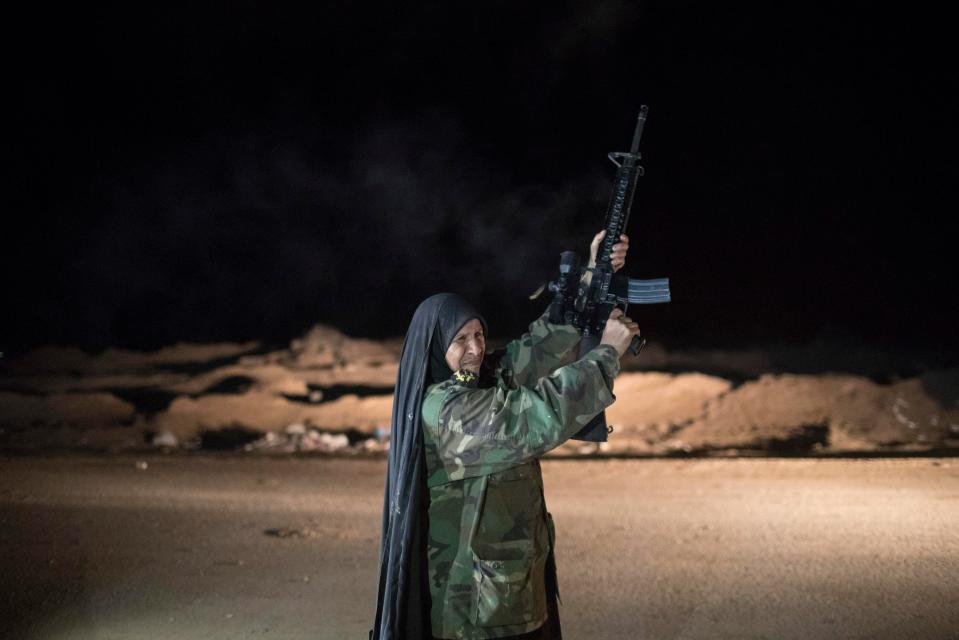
(403, 598)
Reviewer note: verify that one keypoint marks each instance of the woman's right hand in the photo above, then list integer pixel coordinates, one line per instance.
(619, 331)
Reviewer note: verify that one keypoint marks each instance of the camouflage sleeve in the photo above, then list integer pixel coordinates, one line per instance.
(539, 352)
(481, 431)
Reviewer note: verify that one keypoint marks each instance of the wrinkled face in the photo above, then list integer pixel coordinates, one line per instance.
(468, 347)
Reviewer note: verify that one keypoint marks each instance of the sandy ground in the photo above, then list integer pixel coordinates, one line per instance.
(97, 547)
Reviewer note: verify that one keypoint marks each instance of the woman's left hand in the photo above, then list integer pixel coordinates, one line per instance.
(617, 257)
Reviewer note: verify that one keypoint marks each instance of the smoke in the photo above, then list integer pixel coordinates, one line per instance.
(452, 221)
(259, 233)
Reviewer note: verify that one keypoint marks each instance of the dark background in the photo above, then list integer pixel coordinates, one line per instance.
(243, 172)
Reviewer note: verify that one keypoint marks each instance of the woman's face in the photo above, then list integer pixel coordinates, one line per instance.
(468, 347)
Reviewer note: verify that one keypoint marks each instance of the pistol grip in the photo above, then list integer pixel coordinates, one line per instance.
(636, 345)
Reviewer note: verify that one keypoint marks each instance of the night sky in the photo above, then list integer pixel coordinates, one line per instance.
(245, 172)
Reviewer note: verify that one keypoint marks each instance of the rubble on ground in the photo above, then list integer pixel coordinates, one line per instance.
(329, 393)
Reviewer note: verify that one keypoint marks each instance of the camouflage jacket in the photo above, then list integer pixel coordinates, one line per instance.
(489, 533)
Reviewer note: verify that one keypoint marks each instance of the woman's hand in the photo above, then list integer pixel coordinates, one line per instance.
(617, 257)
(619, 332)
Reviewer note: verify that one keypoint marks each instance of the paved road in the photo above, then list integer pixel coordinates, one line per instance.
(95, 547)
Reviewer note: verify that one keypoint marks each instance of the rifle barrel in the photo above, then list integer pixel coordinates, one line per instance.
(640, 122)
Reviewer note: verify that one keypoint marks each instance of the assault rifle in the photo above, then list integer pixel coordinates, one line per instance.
(584, 297)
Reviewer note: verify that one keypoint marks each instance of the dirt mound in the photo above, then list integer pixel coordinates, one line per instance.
(262, 411)
(649, 407)
(326, 380)
(82, 410)
(324, 346)
(795, 412)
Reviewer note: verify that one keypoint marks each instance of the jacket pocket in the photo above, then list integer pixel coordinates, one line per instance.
(509, 515)
(504, 592)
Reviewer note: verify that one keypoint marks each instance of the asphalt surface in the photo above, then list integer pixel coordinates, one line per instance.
(227, 547)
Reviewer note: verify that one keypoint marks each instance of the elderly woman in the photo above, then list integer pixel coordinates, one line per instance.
(467, 547)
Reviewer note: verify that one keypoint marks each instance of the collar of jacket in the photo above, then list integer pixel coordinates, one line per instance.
(465, 378)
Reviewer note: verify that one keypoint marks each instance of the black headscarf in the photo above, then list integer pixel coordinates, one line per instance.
(403, 602)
